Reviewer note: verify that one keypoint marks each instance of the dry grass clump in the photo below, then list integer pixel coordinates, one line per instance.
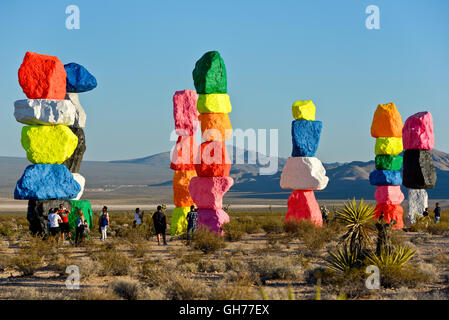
(211, 266)
(126, 288)
(180, 287)
(272, 225)
(233, 291)
(207, 242)
(234, 230)
(113, 263)
(271, 267)
(154, 275)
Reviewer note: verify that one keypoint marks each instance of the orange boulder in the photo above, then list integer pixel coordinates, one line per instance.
(181, 181)
(215, 126)
(391, 211)
(184, 153)
(42, 77)
(213, 160)
(387, 122)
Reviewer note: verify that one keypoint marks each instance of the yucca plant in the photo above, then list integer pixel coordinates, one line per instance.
(342, 259)
(391, 257)
(356, 218)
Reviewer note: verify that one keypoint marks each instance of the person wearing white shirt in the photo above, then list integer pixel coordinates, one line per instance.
(54, 219)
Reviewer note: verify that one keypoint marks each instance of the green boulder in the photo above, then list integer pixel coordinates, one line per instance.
(85, 206)
(209, 75)
(388, 162)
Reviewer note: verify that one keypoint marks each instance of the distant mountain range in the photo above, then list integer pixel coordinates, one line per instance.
(151, 178)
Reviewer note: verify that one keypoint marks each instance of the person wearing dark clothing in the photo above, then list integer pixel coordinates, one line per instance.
(79, 232)
(324, 214)
(160, 225)
(192, 217)
(437, 212)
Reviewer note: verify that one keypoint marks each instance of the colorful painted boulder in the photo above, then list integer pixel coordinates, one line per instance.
(388, 146)
(385, 178)
(212, 220)
(302, 205)
(184, 153)
(215, 126)
(78, 78)
(45, 112)
(388, 162)
(214, 103)
(46, 182)
(419, 171)
(391, 212)
(181, 181)
(387, 122)
(178, 221)
(48, 144)
(42, 77)
(389, 195)
(185, 112)
(80, 114)
(208, 192)
(213, 160)
(305, 137)
(418, 201)
(303, 173)
(418, 132)
(303, 110)
(209, 75)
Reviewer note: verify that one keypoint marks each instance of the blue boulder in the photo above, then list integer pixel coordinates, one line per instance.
(305, 137)
(46, 182)
(385, 178)
(78, 78)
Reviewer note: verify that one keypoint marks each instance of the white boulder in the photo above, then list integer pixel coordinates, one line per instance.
(304, 173)
(82, 181)
(45, 112)
(418, 201)
(80, 114)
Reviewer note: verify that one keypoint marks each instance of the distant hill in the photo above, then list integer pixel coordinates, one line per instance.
(151, 177)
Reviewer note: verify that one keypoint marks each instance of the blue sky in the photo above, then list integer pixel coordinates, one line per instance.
(276, 52)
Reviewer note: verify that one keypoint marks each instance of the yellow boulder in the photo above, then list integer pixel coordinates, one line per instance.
(214, 103)
(179, 221)
(391, 145)
(48, 144)
(303, 110)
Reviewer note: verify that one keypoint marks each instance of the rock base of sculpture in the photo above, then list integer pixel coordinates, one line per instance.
(419, 171)
(302, 205)
(391, 211)
(38, 211)
(418, 201)
(212, 220)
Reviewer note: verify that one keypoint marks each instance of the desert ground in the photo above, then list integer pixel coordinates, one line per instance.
(260, 257)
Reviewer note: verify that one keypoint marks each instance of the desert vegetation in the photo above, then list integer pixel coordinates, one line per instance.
(260, 257)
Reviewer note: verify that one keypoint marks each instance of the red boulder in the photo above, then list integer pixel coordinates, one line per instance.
(213, 160)
(42, 77)
(184, 153)
(391, 211)
(302, 205)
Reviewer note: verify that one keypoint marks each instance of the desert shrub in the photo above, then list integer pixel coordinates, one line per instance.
(235, 264)
(113, 263)
(153, 275)
(8, 229)
(27, 262)
(181, 287)
(233, 291)
(127, 289)
(96, 294)
(412, 276)
(207, 242)
(234, 230)
(4, 262)
(88, 268)
(211, 266)
(250, 225)
(441, 228)
(421, 238)
(272, 225)
(193, 257)
(272, 267)
(59, 263)
(242, 278)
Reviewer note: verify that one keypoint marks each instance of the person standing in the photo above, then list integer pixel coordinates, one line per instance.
(138, 218)
(54, 219)
(437, 212)
(160, 225)
(192, 217)
(65, 228)
(79, 233)
(104, 223)
(324, 214)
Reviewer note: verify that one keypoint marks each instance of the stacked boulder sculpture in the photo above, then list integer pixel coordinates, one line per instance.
(212, 162)
(419, 172)
(387, 129)
(303, 172)
(53, 135)
(186, 125)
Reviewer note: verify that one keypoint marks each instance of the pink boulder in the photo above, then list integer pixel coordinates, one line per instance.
(208, 192)
(212, 220)
(302, 205)
(185, 112)
(389, 195)
(418, 132)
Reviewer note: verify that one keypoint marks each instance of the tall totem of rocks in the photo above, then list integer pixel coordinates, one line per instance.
(186, 125)
(387, 129)
(419, 172)
(212, 163)
(53, 137)
(303, 173)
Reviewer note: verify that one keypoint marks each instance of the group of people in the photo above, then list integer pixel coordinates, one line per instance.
(58, 224)
(436, 212)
